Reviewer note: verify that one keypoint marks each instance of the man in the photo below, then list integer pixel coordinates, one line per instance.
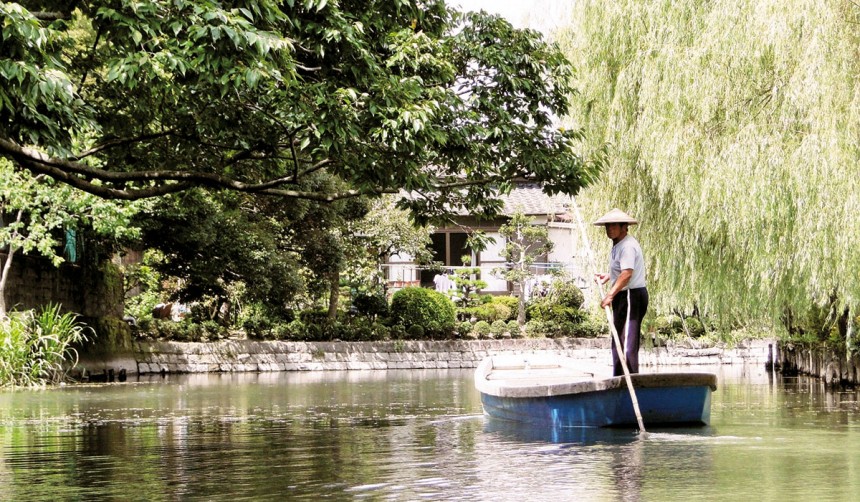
(627, 295)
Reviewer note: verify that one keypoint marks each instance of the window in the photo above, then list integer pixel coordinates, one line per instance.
(448, 248)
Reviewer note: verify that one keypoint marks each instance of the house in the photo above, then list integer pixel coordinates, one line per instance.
(449, 243)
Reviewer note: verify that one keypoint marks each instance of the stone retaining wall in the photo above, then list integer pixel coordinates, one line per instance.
(248, 355)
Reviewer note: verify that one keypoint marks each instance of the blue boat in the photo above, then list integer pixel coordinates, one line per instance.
(559, 392)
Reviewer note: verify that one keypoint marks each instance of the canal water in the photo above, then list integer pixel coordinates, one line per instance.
(412, 435)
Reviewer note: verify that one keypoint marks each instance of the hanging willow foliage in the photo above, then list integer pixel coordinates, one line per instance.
(733, 130)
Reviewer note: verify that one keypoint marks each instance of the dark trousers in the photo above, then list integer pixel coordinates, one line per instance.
(627, 317)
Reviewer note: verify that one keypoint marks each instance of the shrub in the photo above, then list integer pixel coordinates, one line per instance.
(535, 329)
(396, 332)
(315, 316)
(482, 329)
(512, 302)
(371, 306)
(489, 312)
(423, 307)
(415, 332)
(464, 328)
(695, 327)
(514, 328)
(566, 293)
(498, 328)
(189, 331)
(545, 310)
(590, 328)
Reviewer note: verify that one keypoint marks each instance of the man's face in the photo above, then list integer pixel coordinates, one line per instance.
(614, 230)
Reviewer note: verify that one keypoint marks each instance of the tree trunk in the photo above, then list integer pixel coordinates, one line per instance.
(7, 267)
(4, 276)
(334, 296)
(521, 310)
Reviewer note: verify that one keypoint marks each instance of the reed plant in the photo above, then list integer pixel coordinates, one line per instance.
(37, 348)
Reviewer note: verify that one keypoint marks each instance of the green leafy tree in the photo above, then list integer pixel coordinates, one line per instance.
(467, 283)
(35, 212)
(133, 99)
(384, 231)
(280, 253)
(525, 242)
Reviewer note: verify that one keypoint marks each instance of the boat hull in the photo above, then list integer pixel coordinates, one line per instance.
(609, 408)
(560, 392)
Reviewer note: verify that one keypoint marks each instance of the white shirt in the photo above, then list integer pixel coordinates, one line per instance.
(627, 255)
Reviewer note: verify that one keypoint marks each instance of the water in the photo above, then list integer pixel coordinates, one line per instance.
(411, 435)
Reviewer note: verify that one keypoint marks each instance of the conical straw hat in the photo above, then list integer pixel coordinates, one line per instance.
(615, 216)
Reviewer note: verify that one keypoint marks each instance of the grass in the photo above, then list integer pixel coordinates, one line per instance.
(36, 347)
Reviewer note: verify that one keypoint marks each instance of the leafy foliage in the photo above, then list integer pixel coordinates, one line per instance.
(371, 306)
(384, 231)
(467, 284)
(139, 98)
(732, 127)
(213, 241)
(35, 210)
(525, 242)
(431, 310)
(36, 347)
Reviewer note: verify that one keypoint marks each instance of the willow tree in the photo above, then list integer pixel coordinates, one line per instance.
(732, 129)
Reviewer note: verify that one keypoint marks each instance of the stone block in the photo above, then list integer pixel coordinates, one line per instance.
(353, 365)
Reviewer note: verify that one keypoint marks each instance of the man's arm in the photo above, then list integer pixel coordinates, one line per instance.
(619, 285)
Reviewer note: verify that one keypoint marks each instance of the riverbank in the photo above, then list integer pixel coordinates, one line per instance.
(821, 362)
(148, 357)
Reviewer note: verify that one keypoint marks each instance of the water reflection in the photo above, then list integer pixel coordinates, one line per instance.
(409, 435)
(515, 432)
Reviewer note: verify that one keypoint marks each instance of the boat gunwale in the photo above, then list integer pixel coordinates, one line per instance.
(579, 382)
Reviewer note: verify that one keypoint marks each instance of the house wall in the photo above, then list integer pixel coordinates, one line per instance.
(569, 253)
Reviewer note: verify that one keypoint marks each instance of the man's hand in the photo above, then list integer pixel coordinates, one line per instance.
(601, 278)
(606, 302)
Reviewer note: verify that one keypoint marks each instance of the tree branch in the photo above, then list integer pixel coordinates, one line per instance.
(50, 16)
(86, 178)
(113, 143)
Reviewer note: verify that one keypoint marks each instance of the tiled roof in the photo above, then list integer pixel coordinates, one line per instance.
(531, 200)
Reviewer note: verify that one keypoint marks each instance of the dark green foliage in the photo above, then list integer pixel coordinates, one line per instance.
(186, 331)
(415, 332)
(561, 305)
(694, 326)
(166, 96)
(589, 328)
(544, 310)
(423, 307)
(370, 305)
(468, 284)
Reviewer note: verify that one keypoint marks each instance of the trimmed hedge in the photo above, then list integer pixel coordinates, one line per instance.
(427, 308)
